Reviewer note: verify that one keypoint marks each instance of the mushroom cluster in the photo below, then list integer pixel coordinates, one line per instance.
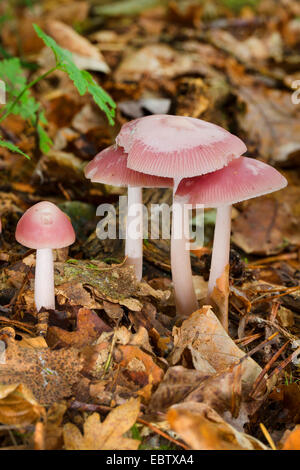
(203, 163)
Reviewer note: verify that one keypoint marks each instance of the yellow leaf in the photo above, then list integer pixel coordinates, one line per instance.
(107, 435)
(18, 406)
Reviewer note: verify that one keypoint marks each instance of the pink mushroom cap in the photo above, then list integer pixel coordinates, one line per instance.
(244, 178)
(177, 146)
(44, 225)
(110, 167)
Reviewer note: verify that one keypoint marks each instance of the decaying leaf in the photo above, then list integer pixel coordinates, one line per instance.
(268, 224)
(49, 375)
(157, 61)
(89, 328)
(203, 429)
(203, 335)
(271, 122)
(18, 405)
(140, 366)
(108, 435)
(85, 54)
(178, 382)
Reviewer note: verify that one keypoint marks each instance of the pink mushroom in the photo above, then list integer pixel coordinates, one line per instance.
(244, 178)
(44, 227)
(178, 147)
(110, 167)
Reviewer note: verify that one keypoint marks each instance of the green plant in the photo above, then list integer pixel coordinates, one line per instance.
(21, 102)
(237, 5)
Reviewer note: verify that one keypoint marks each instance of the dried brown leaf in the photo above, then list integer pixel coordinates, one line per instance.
(48, 374)
(203, 335)
(203, 429)
(89, 328)
(18, 405)
(108, 435)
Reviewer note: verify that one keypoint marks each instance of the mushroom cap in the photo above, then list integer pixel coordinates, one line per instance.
(44, 225)
(244, 178)
(110, 167)
(177, 146)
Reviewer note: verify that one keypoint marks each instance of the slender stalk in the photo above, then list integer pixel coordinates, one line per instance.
(44, 280)
(134, 231)
(185, 296)
(218, 283)
(221, 246)
(30, 85)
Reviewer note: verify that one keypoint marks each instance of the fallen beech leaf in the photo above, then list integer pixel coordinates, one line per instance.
(18, 405)
(291, 439)
(48, 374)
(85, 54)
(203, 429)
(75, 294)
(267, 224)
(203, 335)
(89, 328)
(271, 122)
(107, 435)
(114, 311)
(140, 366)
(176, 385)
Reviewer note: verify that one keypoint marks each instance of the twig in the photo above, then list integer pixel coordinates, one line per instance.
(267, 367)
(163, 434)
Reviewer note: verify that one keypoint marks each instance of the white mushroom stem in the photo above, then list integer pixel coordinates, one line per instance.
(44, 280)
(221, 246)
(185, 297)
(134, 231)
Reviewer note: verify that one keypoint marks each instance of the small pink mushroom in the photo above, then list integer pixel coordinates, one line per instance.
(44, 227)
(178, 147)
(244, 178)
(110, 167)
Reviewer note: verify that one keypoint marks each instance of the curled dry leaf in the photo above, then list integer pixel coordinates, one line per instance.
(89, 328)
(203, 429)
(140, 367)
(175, 387)
(18, 405)
(203, 335)
(108, 435)
(48, 374)
(85, 54)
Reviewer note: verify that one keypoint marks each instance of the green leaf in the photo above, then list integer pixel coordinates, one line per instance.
(12, 74)
(64, 60)
(82, 79)
(12, 148)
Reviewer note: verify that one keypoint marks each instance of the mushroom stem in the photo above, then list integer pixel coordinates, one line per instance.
(185, 297)
(221, 246)
(44, 279)
(134, 224)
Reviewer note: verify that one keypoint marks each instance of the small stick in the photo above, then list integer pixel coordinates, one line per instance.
(267, 367)
(163, 434)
